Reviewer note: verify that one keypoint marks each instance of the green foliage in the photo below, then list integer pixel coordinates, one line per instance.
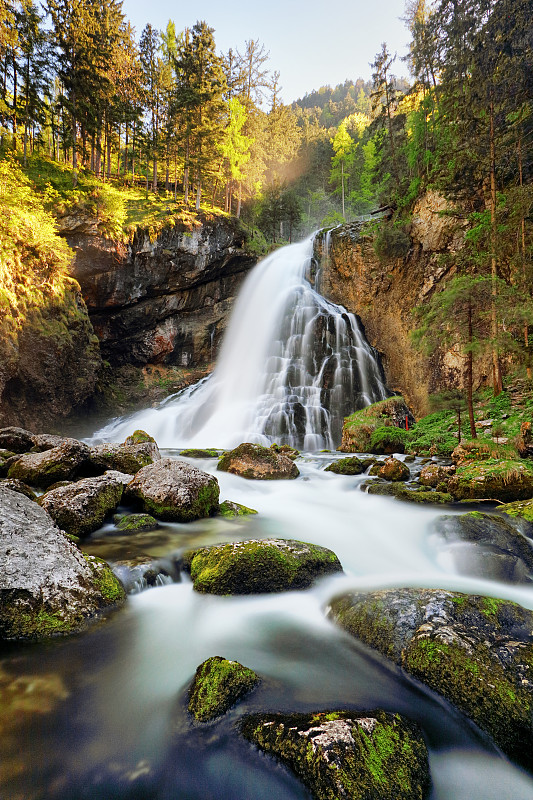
(434, 434)
(385, 437)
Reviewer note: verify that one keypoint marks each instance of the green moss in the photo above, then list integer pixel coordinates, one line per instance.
(389, 439)
(137, 522)
(521, 508)
(217, 686)
(346, 466)
(105, 581)
(39, 623)
(500, 479)
(139, 437)
(359, 427)
(230, 509)
(195, 453)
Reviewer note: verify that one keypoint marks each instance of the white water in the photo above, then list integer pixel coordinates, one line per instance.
(292, 365)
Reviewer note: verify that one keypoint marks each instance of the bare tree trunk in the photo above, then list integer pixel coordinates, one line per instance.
(470, 377)
(496, 369)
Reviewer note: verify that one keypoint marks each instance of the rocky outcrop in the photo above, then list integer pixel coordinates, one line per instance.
(165, 300)
(255, 462)
(256, 567)
(384, 292)
(47, 586)
(175, 491)
(343, 754)
(475, 651)
(128, 458)
(217, 685)
(50, 466)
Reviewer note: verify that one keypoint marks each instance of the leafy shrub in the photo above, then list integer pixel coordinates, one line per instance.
(387, 438)
(431, 434)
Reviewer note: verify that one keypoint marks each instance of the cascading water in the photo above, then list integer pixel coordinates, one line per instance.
(292, 365)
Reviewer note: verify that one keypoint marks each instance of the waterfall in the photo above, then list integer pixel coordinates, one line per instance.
(291, 366)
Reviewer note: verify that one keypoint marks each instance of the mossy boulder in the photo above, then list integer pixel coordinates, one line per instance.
(231, 509)
(80, 508)
(46, 441)
(258, 566)
(359, 427)
(477, 652)
(495, 479)
(346, 466)
(136, 523)
(58, 464)
(139, 437)
(393, 469)
(197, 453)
(285, 450)
(341, 754)
(486, 546)
(6, 459)
(217, 685)
(435, 474)
(129, 458)
(413, 494)
(174, 490)
(255, 462)
(522, 512)
(18, 486)
(48, 587)
(17, 440)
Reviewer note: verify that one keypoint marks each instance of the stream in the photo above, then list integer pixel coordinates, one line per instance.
(102, 715)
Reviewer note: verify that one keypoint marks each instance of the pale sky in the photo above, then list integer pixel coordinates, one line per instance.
(311, 42)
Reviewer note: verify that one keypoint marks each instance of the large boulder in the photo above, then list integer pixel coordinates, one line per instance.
(492, 479)
(58, 464)
(217, 685)
(257, 566)
(255, 462)
(175, 491)
(129, 458)
(346, 466)
(80, 508)
(18, 440)
(346, 754)
(487, 546)
(475, 651)
(48, 586)
(434, 474)
(393, 469)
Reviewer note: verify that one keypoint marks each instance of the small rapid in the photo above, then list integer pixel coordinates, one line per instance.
(291, 367)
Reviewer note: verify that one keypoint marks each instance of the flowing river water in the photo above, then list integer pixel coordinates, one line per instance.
(103, 715)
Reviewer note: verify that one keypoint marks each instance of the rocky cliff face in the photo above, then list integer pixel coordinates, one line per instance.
(383, 294)
(165, 301)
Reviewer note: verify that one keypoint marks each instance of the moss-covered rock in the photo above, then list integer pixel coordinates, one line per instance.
(175, 491)
(494, 479)
(475, 651)
(217, 685)
(18, 486)
(6, 459)
(521, 509)
(197, 453)
(413, 494)
(435, 474)
(48, 586)
(17, 440)
(231, 509)
(258, 566)
(129, 458)
(285, 450)
(393, 469)
(346, 466)
(139, 437)
(359, 427)
(341, 754)
(136, 523)
(255, 462)
(80, 508)
(58, 464)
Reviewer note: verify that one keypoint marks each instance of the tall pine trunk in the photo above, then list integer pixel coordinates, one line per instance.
(496, 369)
(470, 377)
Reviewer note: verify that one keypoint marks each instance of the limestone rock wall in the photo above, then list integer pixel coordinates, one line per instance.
(165, 301)
(384, 293)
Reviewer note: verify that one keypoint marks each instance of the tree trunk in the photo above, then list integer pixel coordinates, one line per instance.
(496, 370)
(186, 174)
(470, 377)
(239, 201)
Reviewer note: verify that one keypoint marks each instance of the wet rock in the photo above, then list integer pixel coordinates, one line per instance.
(128, 458)
(475, 651)
(230, 509)
(46, 441)
(15, 439)
(255, 567)
(285, 450)
(393, 469)
(48, 587)
(175, 491)
(411, 494)
(135, 523)
(344, 754)
(197, 453)
(80, 508)
(141, 573)
(522, 514)
(346, 466)
(486, 546)
(217, 685)
(44, 469)
(255, 462)
(6, 459)
(434, 474)
(139, 437)
(492, 479)
(18, 486)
